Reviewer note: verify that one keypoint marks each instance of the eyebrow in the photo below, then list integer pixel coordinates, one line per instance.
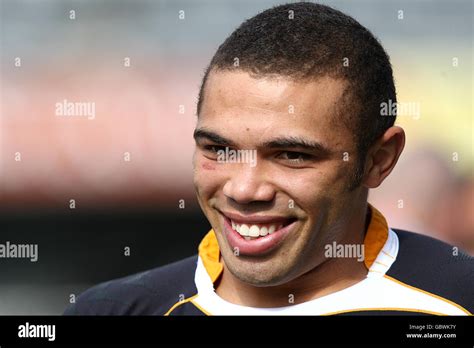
(202, 133)
(294, 142)
(287, 142)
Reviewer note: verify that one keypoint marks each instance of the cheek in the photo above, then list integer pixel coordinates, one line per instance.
(206, 178)
(208, 166)
(305, 189)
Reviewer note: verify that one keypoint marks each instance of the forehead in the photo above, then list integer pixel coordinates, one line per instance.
(236, 101)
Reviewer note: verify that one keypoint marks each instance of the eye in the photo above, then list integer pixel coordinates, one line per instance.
(214, 148)
(212, 151)
(295, 157)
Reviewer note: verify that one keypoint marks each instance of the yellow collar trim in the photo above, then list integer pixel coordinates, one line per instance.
(209, 253)
(375, 238)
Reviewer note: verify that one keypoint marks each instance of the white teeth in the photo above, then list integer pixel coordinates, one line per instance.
(254, 231)
(244, 230)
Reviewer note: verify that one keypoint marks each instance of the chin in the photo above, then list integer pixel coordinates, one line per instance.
(260, 274)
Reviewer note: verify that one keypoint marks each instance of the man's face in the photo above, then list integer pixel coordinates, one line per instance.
(296, 189)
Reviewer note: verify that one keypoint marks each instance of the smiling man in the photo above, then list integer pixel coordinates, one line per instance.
(300, 86)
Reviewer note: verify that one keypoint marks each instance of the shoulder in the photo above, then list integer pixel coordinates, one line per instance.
(151, 292)
(433, 266)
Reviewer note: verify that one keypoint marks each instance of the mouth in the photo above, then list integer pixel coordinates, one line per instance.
(255, 235)
(252, 231)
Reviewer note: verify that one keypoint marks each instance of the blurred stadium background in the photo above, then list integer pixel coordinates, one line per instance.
(148, 110)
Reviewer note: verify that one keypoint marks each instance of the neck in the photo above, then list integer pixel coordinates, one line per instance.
(330, 276)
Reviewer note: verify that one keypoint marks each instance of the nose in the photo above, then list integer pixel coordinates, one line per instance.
(249, 184)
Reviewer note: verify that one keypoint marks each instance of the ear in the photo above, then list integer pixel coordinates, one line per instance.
(383, 156)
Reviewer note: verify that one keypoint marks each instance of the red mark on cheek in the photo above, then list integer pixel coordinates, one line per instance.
(208, 166)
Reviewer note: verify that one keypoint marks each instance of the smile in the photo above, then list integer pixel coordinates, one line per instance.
(253, 235)
(253, 231)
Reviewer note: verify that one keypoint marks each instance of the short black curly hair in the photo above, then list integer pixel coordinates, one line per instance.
(306, 41)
